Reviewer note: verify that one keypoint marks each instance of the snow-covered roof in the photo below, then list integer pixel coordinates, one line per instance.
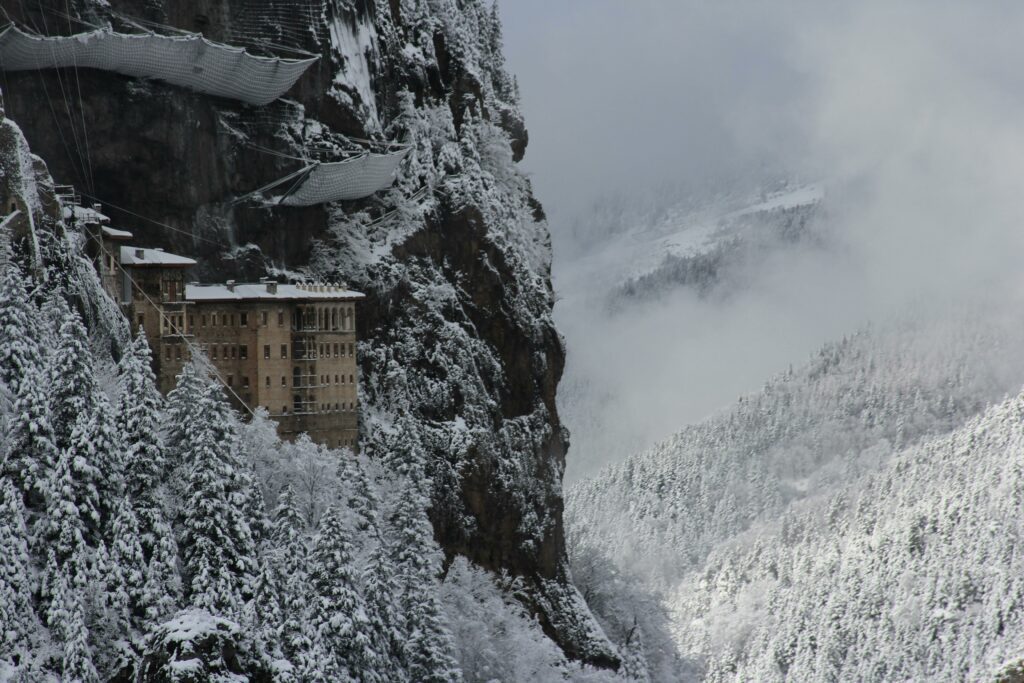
(137, 256)
(270, 291)
(84, 214)
(115, 234)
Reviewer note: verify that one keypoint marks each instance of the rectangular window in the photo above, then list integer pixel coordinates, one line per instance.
(243, 320)
(191, 322)
(263, 318)
(231, 380)
(351, 379)
(167, 353)
(280, 318)
(231, 318)
(142, 320)
(268, 381)
(245, 382)
(336, 379)
(224, 319)
(335, 350)
(284, 381)
(351, 350)
(213, 320)
(213, 350)
(322, 351)
(284, 350)
(166, 322)
(266, 350)
(202, 321)
(243, 352)
(177, 352)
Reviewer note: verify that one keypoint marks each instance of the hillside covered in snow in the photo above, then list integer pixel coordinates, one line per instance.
(853, 520)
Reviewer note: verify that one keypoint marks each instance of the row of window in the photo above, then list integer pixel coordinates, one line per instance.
(325, 380)
(341, 350)
(303, 406)
(297, 380)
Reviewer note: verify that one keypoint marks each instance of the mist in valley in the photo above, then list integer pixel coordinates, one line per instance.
(656, 123)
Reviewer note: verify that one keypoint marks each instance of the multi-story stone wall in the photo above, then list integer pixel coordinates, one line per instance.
(290, 349)
(287, 348)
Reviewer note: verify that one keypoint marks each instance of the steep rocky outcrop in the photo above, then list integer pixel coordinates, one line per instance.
(456, 330)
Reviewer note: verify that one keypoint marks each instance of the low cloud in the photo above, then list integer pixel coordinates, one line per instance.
(911, 113)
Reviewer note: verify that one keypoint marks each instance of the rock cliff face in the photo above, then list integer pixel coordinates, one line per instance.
(456, 332)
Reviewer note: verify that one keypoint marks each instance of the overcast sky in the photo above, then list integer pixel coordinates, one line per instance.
(911, 112)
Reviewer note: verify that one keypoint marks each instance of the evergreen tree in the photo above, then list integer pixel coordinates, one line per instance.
(181, 420)
(77, 663)
(20, 341)
(361, 497)
(17, 616)
(290, 557)
(108, 458)
(73, 517)
(32, 454)
(217, 545)
(162, 591)
(343, 646)
(71, 380)
(138, 410)
(382, 611)
(428, 645)
(126, 572)
(263, 615)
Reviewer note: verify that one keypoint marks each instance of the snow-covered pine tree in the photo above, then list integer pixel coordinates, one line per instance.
(343, 641)
(77, 664)
(382, 611)
(72, 509)
(71, 380)
(108, 456)
(138, 421)
(428, 646)
(126, 572)
(217, 542)
(19, 332)
(17, 616)
(181, 417)
(162, 590)
(360, 496)
(32, 454)
(262, 616)
(290, 559)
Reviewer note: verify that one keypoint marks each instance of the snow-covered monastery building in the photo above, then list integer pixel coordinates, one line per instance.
(287, 348)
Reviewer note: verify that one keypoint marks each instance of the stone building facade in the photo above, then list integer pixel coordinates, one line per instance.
(287, 348)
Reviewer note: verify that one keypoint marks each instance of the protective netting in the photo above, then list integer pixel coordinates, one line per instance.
(189, 61)
(353, 178)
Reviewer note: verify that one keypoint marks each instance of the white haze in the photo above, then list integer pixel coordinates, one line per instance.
(911, 113)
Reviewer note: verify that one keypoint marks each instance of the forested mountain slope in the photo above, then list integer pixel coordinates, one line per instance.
(459, 364)
(742, 522)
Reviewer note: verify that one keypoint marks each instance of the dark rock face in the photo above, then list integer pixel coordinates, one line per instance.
(456, 330)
